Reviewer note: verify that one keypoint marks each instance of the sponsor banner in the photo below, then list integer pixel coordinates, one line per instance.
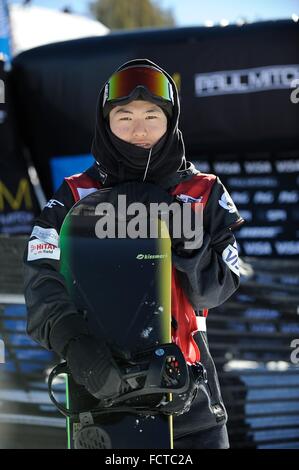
(202, 166)
(287, 247)
(258, 167)
(229, 168)
(282, 248)
(264, 313)
(287, 166)
(16, 222)
(254, 182)
(276, 215)
(288, 197)
(255, 79)
(240, 197)
(259, 232)
(265, 198)
(257, 248)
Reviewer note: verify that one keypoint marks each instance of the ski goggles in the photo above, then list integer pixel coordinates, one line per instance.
(123, 83)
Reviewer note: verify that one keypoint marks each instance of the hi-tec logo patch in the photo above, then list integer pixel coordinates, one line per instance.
(53, 202)
(231, 258)
(142, 256)
(227, 203)
(37, 249)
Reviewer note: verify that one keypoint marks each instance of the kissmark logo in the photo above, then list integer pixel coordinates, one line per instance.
(142, 256)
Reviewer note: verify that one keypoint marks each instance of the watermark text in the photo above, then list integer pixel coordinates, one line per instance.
(184, 222)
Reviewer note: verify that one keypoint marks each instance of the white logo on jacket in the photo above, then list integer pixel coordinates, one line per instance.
(227, 203)
(186, 198)
(48, 235)
(231, 258)
(53, 202)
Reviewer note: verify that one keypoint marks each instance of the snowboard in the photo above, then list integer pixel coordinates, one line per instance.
(122, 286)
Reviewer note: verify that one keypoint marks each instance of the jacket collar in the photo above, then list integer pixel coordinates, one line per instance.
(185, 173)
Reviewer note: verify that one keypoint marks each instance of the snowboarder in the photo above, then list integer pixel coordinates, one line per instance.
(137, 139)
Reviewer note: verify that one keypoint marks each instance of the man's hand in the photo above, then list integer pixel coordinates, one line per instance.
(92, 365)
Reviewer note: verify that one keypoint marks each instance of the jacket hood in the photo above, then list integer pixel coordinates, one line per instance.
(121, 161)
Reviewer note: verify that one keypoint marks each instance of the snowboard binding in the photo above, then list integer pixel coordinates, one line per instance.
(157, 381)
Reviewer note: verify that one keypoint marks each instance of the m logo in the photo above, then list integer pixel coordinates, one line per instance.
(15, 201)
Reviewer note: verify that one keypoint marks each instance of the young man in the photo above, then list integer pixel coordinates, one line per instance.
(137, 139)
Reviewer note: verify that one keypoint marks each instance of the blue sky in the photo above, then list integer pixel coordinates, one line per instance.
(194, 12)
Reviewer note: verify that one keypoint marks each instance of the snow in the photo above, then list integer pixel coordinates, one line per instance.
(33, 26)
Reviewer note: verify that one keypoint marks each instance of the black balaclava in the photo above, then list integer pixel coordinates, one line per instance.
(122, 161)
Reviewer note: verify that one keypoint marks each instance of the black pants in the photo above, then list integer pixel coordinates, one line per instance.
(213, 438)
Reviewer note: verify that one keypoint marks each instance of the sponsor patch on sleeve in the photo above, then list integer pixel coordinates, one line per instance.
(227, 203)
(231, 258)
(48, 235)
(38, 249)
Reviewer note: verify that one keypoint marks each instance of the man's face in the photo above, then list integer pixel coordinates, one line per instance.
(141, 123)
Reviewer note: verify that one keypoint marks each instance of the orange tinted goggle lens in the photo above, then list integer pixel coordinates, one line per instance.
(124, 82)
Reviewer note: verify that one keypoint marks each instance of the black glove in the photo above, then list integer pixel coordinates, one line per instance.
(92, 365)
